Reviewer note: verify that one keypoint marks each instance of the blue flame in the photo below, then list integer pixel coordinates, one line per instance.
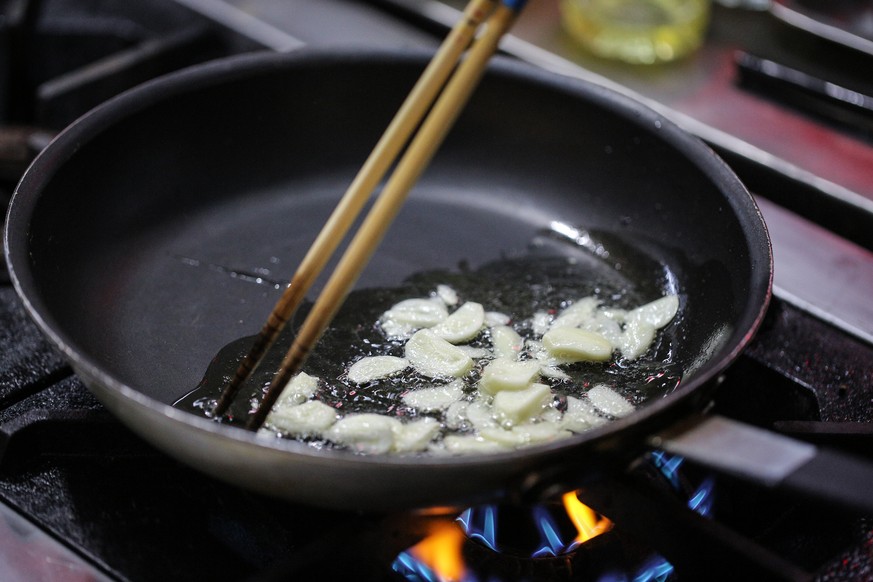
(551, 543)
(669, 466)
(480, 523)
(657, 568)
(702, 500)
(413, 569)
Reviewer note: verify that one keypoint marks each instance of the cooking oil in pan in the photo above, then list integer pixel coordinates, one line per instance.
(558, 270)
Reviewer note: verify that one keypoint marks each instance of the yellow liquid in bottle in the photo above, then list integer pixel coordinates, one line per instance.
(637, 31)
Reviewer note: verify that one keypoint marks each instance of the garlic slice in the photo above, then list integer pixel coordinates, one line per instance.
(495, 318)
(658, 313)
(506, 341)
(514, 406)
(308, 419)
(570, 344)
(364, 433)
(469, 444)
(475, 353)
(415, 435)
(456, 414)
(297, 391)
(433, 356)
(448, 295)
(605, 326)
(480, 415)
(540, 322)
(608, 401)
(525, 434)
(463, 325)
(435, 398)
(411, 314)
(554, 372)
(502, 374)
(581, 415)
(371, 368)
(576, 314)
(636, 339)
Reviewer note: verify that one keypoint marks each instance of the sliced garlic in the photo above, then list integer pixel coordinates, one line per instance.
(515, 406)
(435, 398)
(526, 434)
(506, 341)
(614, 313)
(411, 314)
(372, 368)
(570, 344)
(554, 372)
(456, 414)
(297, 391)
(636, 339)
(609, 402)
(581, 415)
(658, 313)
(448, 295)
(576, 314)
(605, 326)
(463, 325)
(495, 318)
(433, 356)
(536, 350)
(480, 415)
(308, 419)
(551, 414)
(364, 433)
(502, 374)
(470, 444)
(415, 435)
(474, 352)
(540, 322)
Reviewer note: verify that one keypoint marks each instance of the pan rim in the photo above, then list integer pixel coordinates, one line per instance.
(641, 423)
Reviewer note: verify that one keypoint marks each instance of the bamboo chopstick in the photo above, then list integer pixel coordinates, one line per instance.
(380, 159)
(421, 149)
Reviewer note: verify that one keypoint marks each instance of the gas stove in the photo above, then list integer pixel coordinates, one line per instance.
(84, 499)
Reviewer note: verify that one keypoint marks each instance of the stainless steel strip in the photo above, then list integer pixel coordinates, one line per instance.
(820, 272)
(738, 449)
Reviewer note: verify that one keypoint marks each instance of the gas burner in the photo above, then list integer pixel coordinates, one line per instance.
(564, 540)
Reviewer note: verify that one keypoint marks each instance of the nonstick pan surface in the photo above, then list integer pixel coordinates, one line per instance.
(161, 226)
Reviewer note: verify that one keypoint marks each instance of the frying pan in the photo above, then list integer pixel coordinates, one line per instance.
(146, 236)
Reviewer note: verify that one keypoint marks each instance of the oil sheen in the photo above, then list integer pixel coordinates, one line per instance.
(552, 273)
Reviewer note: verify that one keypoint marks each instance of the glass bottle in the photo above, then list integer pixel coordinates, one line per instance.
(637, 31)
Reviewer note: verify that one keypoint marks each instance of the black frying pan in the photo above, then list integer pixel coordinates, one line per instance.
(141, 238)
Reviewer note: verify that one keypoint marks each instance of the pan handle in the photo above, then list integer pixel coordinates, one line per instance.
(771, 459)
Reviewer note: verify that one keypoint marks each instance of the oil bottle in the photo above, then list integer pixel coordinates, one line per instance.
(637, 31)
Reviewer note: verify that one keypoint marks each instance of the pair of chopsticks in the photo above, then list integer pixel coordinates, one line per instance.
(432, 106)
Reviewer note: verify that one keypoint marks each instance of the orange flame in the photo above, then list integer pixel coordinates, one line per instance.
(588, 523)
(441, 551)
